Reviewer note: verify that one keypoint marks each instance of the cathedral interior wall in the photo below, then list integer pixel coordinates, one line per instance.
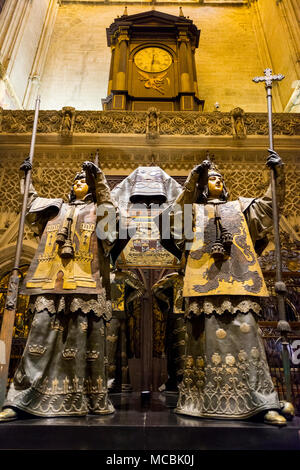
(24, 58)
(77, 66)
(280, 22)
(63, 46)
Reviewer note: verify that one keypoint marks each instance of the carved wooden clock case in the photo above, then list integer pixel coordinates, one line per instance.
(153, 63)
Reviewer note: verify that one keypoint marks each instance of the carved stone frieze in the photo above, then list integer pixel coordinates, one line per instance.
(283, 124)
(195, 123)
(19, 122)
(237, 123)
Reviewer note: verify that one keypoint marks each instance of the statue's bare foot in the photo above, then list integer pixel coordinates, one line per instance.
(273, 417)
(287, 410)
(8, 414)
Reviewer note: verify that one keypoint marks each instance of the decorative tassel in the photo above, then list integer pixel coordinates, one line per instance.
(224, 238)
(63, 238)
(217, 249)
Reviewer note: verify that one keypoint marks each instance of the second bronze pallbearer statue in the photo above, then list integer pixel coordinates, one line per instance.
(226, 374)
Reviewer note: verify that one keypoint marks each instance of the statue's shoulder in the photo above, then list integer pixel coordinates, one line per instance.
(42, 203)
(245, 202)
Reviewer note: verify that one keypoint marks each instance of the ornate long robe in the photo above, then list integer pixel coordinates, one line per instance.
(62, 371)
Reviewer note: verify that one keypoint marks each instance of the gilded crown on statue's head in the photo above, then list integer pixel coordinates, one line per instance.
(205, 170)
(213, 169)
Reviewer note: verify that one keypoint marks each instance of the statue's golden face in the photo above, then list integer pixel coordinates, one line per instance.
(153, 59)
(215, 186)
(80, 188)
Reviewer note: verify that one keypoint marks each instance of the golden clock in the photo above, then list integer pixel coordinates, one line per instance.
(153, 59)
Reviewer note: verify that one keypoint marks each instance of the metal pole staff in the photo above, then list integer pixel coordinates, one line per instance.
(280, 287)
(13, 285)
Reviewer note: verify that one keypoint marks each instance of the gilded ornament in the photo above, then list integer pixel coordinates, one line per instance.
(245, 327)
(200, 362)
(255, 353)
(216, 358)
(69, 353)
(83, 326)
(189, 362)
(92, 355)
(156, 82)
(112, 338)
(230, 360)
(242, 355)
(36, 349)
(221, 334)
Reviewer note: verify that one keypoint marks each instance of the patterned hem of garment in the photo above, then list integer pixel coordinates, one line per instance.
(71, 404)
(253, 412)
(220, 305)
(235, 385)
(96, 304)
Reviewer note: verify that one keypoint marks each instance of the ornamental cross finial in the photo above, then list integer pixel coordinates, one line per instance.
(268, 78)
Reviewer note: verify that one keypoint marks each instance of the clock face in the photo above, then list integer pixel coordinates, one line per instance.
(152, 59)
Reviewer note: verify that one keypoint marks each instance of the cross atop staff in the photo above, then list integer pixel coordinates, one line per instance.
(269, 78)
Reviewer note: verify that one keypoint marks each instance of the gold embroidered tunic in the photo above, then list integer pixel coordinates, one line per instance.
(52, 274)
(238, 273)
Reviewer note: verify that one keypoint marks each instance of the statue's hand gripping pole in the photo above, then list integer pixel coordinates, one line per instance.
(280, 287)
(13, 285)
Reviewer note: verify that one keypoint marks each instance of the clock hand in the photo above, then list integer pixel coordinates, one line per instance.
(152, 62)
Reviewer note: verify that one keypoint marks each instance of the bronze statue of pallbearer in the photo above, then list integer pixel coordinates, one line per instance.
(226, 374)
(63, 368)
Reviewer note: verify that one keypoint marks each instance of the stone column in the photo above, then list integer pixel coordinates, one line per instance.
(194, 75)
(111, 70)
(185, 83)
(40, 58)
(12, 22)
(119, 78)
(122, 60)
(264, 52)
